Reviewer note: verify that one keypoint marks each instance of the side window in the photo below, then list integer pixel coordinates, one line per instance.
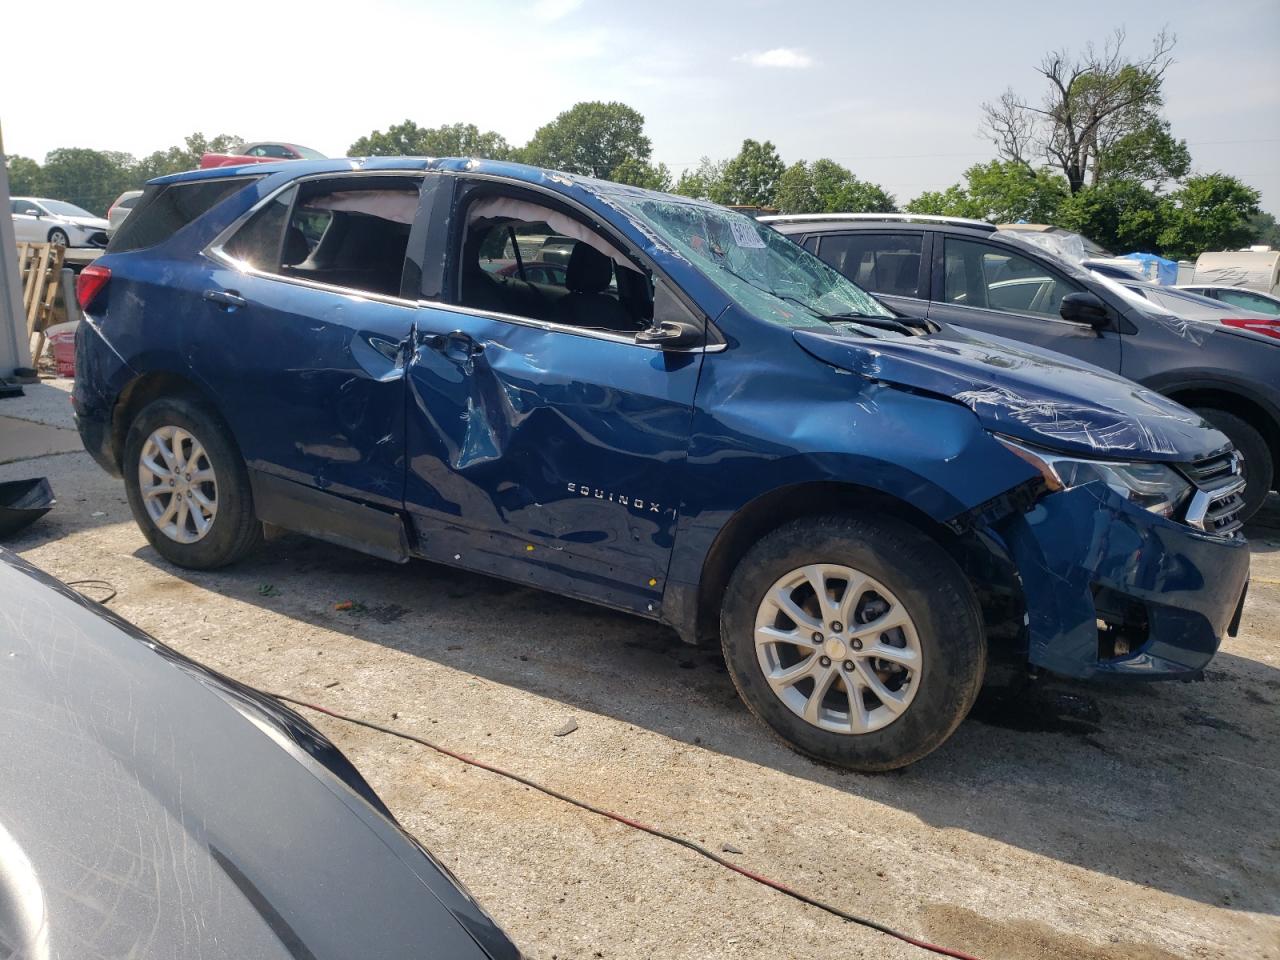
(527, 260)
(886, 263)
(350, 232)
(811, 243)
(996, 278)
(162, 211)
(1246, 300)
(25, 207)
(259, 242)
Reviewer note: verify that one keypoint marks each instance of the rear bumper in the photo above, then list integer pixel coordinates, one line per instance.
(98, 368)
(1086, 556)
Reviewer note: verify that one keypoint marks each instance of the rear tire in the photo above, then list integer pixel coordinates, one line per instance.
(873, 713)
(1259, 470)
(187, 485)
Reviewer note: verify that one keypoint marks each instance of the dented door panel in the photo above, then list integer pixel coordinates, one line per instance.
(546, 456)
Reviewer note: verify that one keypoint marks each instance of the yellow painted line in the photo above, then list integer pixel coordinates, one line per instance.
(1263, 580)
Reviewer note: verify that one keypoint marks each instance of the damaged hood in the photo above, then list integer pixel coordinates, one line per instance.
(1040, 397)
(150, 808)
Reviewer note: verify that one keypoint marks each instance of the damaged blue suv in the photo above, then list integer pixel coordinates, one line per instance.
(692, 419)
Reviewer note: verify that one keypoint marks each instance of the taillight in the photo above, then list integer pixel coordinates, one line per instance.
(1268, 328)
(90, 283)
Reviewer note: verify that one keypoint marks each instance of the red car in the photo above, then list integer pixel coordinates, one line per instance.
(260, 152)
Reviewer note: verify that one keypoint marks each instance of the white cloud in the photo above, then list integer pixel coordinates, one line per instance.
(786, 57)
(555, 9)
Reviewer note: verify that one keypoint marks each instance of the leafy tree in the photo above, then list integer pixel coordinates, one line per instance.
(750, 178)
(1002, 191)
(26, 179)
(1209, 212)
(1122, 215)
(184, 157)
(1265, 229)
(638, 173)
(591, 138)
(407, 139)
(702, 181)
(88, 178)
(1100, 111)
(826, 187)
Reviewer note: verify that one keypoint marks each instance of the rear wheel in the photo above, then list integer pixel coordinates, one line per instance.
(857, 640)
(1259, 471)
(187, 485)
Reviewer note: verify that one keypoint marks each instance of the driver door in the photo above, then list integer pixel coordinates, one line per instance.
(538, 450)
(27, 226)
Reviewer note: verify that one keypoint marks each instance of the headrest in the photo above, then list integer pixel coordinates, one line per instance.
(589, 270)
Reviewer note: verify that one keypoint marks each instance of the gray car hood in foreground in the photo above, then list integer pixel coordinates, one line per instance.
(1034, 395)
(152, 809)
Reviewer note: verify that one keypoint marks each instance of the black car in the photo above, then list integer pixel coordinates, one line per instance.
(151, 808)
(969, 274)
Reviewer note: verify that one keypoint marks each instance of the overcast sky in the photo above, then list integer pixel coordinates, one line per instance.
(891, 90)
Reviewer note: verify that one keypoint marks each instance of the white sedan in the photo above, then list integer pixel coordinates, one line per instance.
(56, 221)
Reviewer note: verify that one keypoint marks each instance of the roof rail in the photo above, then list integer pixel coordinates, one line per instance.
(893, 217)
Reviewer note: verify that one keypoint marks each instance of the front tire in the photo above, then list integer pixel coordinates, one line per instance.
(187, 485)
(858, 641)
(1259, 470)
(58, 237)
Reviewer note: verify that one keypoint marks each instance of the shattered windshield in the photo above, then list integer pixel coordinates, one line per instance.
(762, 270)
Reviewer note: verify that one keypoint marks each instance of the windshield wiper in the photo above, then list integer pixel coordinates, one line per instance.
(911, 326)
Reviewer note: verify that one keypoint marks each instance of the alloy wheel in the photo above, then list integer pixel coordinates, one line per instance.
(178, 485)
(838, 648)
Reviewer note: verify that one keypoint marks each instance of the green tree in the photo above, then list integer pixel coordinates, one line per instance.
(751, 178)
(702, 181)
(407, 139)
(1002, 191)
(591, 138)
(826, 187)
(638, 173)
(184, 157)
(1209, 212)
(1123, 216)
(88, 178)
(26, 179)
(1100, 111)
(1265, 229)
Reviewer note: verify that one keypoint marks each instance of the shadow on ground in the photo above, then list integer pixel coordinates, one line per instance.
(1126, 781)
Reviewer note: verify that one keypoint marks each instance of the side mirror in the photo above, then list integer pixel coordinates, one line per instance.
(37, 213)
(671, 335)
(1085, 308)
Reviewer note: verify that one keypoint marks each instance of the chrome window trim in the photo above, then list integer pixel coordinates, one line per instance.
(216, 251)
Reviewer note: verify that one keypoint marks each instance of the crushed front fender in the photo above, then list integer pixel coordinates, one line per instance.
(1092, 564)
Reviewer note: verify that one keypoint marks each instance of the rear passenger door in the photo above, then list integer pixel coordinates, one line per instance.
(301, 334)
(994, 289)
(545, 444)
(892, 265)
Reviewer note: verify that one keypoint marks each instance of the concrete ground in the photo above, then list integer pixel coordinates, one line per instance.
(1081, 822)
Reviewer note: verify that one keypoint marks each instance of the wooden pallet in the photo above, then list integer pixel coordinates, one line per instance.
(40, 267)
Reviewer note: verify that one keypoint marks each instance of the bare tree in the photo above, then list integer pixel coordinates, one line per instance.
(1094, 100)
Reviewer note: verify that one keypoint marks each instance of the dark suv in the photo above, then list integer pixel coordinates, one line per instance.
(968, 273)
(703, 424)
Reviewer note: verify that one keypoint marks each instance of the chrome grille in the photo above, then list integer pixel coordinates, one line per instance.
(1215, 507)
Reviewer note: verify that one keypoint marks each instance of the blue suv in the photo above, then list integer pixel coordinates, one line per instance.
(698, 422)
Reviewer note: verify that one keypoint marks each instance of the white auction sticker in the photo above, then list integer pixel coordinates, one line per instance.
(744, 235)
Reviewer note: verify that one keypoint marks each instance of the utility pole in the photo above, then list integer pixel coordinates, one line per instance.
(15, 351)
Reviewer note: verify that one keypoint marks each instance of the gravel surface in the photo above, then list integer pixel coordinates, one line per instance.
(1071, 822)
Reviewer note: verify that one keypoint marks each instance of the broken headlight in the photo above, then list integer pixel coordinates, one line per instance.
(1152, 486)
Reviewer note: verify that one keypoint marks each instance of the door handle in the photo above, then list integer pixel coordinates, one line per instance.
(227, 299)
(456, 345)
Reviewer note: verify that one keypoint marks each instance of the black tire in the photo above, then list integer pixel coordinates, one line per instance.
(1259, 470)
(235, 531)
(927, 583)
(58, 237)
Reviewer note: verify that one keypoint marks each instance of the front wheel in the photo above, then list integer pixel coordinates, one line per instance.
(858, 641)
(187, 485)
(58, 237)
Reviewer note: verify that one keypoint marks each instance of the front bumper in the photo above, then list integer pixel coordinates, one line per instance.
(1094, 567)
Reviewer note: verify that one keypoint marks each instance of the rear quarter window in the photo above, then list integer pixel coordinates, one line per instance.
(165, 209)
